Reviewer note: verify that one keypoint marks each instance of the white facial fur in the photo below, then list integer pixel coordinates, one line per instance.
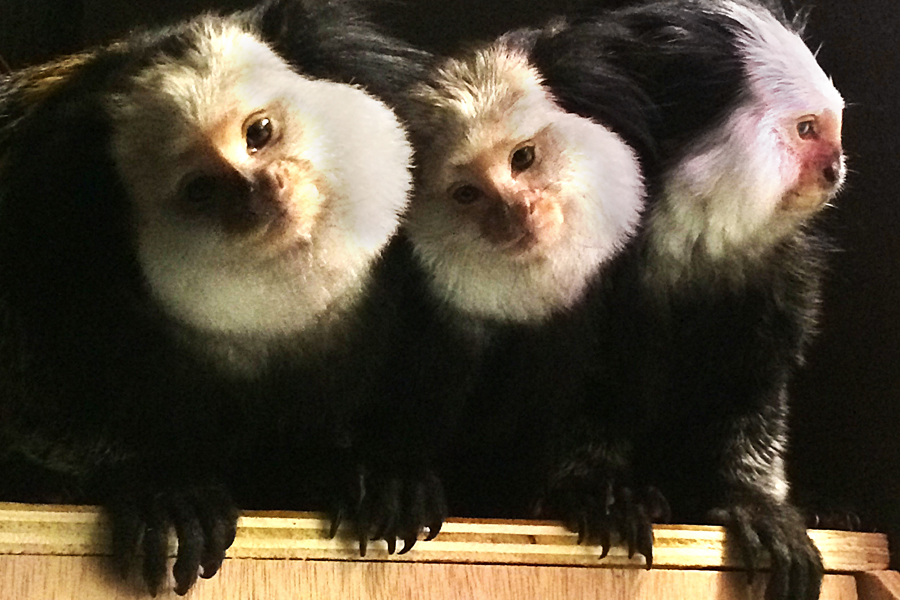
(485, 107)
(741, 188)
(344, 155)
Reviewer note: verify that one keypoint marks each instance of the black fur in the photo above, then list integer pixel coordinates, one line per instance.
(530, 375)
(336, 40)
(684, 61)
(105, 402)
(94, 388)
(690, 381)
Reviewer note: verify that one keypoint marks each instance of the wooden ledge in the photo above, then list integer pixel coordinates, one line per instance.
(58, 553)
(82, 531)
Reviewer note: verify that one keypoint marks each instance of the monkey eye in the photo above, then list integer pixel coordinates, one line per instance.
(259, 133)
(806, 129)
(467, 194)
(522, 158)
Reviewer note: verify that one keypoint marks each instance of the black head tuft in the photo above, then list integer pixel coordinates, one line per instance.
(335, 40)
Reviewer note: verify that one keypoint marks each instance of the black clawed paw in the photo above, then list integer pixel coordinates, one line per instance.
(205, 523)
(396, 508)
(596, 509)
(777, 529)
(839, 520)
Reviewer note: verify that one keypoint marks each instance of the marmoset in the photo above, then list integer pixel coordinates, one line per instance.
(710, 311)
(519, 208)
(194, 222)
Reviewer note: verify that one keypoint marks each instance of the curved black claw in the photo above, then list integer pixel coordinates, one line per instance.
(426, 508)
(205, 522)
(599, 510)
(347, 503)
(796, 566)
(839, 520)
(394, 507)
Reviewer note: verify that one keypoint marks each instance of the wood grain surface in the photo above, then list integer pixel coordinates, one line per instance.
(75, 531)
(59, 553)
(88, 578)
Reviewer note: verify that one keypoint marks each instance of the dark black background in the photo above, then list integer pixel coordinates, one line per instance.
(846, 416)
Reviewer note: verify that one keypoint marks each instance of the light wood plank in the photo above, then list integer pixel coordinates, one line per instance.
(86, 578)
(75, 531)
(880, 585)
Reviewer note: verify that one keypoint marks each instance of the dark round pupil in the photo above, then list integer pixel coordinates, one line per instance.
(466, 194)
(523, 158)
(806, 129)
(258, 134)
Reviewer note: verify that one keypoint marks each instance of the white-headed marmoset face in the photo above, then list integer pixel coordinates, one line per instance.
(771, 165)
(261, 196)
(519, 204)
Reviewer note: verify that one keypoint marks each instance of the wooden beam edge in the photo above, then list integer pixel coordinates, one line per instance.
(884, 585)
(78, 530)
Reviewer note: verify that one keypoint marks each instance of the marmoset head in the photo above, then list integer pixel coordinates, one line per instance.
(772, 163)
(518, 203)
(260, 195)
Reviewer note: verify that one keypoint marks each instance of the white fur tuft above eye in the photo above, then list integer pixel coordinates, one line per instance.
(783, 72)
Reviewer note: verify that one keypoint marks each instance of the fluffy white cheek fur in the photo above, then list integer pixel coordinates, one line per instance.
(602, 190)
(723, 203)
(724, 197)
(229, 285)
